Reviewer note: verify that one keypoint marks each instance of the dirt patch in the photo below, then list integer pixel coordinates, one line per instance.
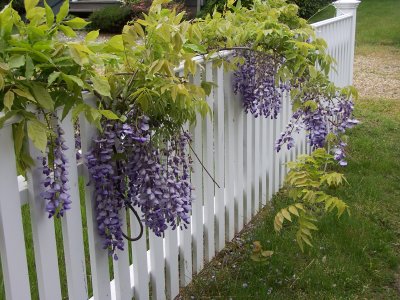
(377, 72)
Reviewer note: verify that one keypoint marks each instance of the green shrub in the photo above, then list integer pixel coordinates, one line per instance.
(18, 5)
(111, 19)
(307, 8)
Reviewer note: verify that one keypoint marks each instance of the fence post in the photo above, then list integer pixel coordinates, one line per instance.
(349, 7)
(12, 244)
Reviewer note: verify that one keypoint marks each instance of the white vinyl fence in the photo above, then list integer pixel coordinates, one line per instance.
(236, 148)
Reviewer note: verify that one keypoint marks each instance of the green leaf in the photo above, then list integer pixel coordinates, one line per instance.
(116, 43)
(1, 82)
(293, 210)
(29, 4)
(73, 78)
(8, 99)
(29, 67)
(101, 85)
(37, 132)
(67, 31)
(286, 214)
(195, 48)
(49, 14)
(43, 97)
(63, 12)
(76, 23)
(267, 253)
(92, 36)
(19, 135)
(311, 104)
(25, 94)
(52, 77)
(109, 114)
(16, 61)
(207, 86)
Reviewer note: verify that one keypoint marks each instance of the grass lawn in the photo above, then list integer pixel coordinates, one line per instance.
(378, 22)
(355, 257)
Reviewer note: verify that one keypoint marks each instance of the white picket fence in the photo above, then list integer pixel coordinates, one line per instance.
(236, 148)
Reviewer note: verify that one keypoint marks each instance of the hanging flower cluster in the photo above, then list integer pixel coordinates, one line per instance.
(55, 183)
(255, 80)
(126, 168)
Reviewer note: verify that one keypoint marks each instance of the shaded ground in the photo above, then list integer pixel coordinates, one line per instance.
(377, 72)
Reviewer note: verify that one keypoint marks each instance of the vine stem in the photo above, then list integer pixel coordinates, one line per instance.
(202, 165)
(302, 272)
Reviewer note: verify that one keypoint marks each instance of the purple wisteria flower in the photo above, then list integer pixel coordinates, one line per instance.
(55, 182)
(127, 168)
(255, 80)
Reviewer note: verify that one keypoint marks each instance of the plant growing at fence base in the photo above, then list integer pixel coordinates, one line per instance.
(307, 184)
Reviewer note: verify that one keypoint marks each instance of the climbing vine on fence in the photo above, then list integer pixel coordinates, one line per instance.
(141, 157)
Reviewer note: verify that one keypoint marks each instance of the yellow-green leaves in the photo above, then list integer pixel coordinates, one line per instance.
(8, 99)
(76, 23)
(101, 85)
(92, 36)
(16, 61)
(63, 12)
(260, 255)
(49, 14)
(307, 184)
(37, 132)
(42, 97)
(30, 4)
(67, 30)
(109, 114)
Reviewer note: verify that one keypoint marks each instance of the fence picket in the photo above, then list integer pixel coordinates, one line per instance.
(208, 160)
(219, 135)
(122, 278)
(185, 255)
(139, 262)
(98, 256)
(197, 182)
(229, 161)
(264, 161)
(44, 241)
(249, 171)
(171, 263)
(239, 181)
(12, 244)
(72, 222)
(271, 158)
(256, 182)
(157, 266)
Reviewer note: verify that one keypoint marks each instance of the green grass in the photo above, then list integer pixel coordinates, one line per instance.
(378, 22)
(354, 257)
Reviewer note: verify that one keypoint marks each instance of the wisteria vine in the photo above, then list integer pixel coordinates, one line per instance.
(128, 169)
(255, 80)
(55, 182)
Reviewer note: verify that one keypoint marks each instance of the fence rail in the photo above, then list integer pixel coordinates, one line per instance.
(236, 148)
